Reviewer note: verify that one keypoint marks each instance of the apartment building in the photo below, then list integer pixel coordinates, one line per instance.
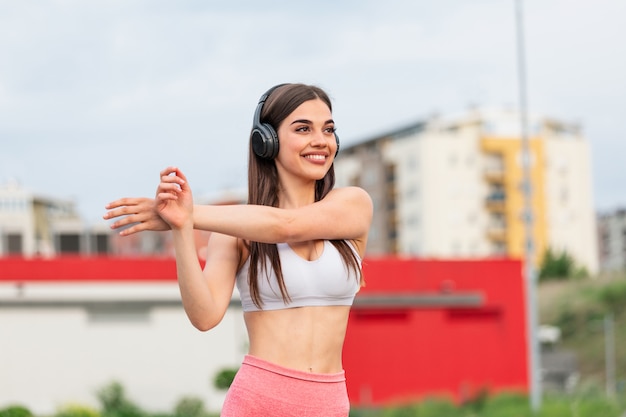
(612, 240)
(453, 187)
(32, 224)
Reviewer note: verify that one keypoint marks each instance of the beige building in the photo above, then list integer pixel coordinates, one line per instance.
(36, 225)
(452, 187)
(33, 225)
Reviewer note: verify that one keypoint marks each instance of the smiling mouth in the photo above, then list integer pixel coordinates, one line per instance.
(316, 157)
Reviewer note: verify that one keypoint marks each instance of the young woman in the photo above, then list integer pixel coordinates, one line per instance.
(293, 251)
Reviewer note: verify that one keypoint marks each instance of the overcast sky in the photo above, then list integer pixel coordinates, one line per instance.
(97, 96)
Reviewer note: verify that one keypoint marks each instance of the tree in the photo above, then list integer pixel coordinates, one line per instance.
(562, 265)
(114, 402)
(224, 378)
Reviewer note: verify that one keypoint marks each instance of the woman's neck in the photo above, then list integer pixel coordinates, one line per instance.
(294, 197)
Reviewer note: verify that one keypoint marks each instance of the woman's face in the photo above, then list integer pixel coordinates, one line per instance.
(307, 142)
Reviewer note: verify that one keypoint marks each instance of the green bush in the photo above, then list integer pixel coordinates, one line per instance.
(224, 378)
(613, 296)
(505, 405)
(557, 408)
(477, 401)
(558, 266)
(115, 404)
(401, 411)
(190, 407)
(76, 410)
(434, 407)
(15, 410)
(597, 407)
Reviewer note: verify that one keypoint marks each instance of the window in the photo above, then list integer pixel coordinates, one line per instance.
(412, 191)
(16, 205)
(390, 174)
(15, 245)
(118, 314)
(100, 243)
(69, 243)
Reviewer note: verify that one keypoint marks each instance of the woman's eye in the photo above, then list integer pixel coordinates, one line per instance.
(302, 129)
(331, 129)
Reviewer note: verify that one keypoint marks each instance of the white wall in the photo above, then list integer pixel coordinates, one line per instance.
(569, 200)
(54, 355)
(452, 196)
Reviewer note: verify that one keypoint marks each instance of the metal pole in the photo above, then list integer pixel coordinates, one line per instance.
(609, 352)
(534, 366)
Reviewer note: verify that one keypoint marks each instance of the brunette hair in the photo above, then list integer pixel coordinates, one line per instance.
(263, 187)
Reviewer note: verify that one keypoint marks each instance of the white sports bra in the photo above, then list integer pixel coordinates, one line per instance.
(326, 281)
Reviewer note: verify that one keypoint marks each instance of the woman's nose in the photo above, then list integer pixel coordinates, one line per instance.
(318, 139)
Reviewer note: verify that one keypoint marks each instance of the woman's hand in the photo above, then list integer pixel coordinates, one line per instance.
(140, 212)
(174, 201)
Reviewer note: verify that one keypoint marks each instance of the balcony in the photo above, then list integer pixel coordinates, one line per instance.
(494, 168)
(498, 249)
(494, 175)
(496, 233)
(496, 200)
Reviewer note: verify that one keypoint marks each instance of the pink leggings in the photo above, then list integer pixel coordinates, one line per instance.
(262, 388)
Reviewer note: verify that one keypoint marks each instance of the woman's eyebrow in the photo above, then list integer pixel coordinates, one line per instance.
(308, 122)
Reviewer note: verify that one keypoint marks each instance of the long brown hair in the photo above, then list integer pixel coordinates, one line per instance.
(263, 187)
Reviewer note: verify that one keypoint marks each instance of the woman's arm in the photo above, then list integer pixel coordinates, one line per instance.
(345, 213)
(205, 294)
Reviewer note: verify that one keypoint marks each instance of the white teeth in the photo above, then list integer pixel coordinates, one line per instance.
(316, 157)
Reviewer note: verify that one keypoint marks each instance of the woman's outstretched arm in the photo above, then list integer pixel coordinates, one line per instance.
(345, 213)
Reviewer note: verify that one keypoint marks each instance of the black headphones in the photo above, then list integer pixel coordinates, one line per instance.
(264, 137)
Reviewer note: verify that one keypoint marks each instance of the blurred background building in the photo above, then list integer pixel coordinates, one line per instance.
(612, 240)
(36, 225)
(451, 187)
(443, 187)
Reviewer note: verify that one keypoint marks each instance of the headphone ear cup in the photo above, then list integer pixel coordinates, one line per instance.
(337, 140)
(263, 137)
(265, 141)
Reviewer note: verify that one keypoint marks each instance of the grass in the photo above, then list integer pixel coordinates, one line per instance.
(576, 307)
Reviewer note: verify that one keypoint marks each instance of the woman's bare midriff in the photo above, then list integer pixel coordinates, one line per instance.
(308, 339)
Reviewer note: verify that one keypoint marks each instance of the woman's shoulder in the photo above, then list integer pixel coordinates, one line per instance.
(350, 193)
(351, 198)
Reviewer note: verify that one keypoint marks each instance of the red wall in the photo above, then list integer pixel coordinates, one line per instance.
(77, 268)
(406, 353)
(390, 354)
